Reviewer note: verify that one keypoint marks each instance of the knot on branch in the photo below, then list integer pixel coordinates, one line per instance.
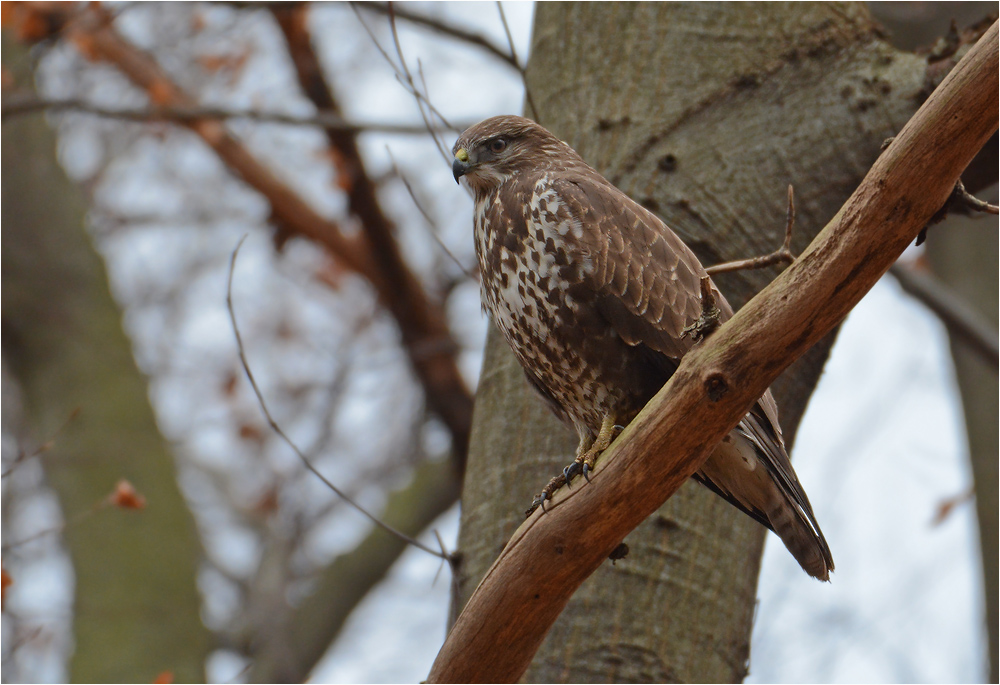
(716, 386)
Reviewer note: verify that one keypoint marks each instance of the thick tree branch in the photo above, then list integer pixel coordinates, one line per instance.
(716, 384)
(92, 33)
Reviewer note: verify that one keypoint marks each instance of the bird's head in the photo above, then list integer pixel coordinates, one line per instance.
(496, 149)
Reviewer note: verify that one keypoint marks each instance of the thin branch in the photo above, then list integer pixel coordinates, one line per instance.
(23, 455)
(425, 334)
(428, 220)
(421, 97)
(14, 105)
(962, 320)
(517, 63)
(281, 433)
(551, 554)
(962, 199)
(444, 28)
(783, 255)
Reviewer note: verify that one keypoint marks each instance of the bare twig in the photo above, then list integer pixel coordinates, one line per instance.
(14, 105)
(281, 433)
(113, 499)
(963, 199)
(422, 323)
(429, 221)
(23, 455)
(783, 255)
(959, 202)
(517, 63)
(422, 98)
(962, 320)
(709, 319)
(443, 28)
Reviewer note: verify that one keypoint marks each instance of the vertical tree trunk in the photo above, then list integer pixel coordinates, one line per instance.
(136, 612)
(703, 113)
(963, 253)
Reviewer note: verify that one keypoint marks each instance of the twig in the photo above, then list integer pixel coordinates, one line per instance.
(429, 222)
(421, 320)
(421, 98)
(960, 202)
(447, 29)
(961, 199)
(79, 516)
(782, 255)
(961, 320)
(14, 106)
(709, 319)
(23, 455)
(281, 433)
(517, 63)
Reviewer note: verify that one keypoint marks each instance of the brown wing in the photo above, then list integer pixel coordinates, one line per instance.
(647, 284)
(647, 281)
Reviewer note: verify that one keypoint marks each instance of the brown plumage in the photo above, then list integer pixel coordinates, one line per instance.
(592, 292)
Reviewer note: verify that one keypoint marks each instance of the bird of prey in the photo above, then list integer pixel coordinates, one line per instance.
(593, 292)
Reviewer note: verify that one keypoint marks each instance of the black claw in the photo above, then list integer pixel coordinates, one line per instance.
(586, 472)
(539, 501)
(571, 471)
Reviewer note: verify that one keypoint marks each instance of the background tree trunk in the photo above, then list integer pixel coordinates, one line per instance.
(137, 607)
(964, 254)
(703, 113)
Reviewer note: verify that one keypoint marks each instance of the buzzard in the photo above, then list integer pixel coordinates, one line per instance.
(593, 292)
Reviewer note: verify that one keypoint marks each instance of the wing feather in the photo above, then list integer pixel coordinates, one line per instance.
(648, 287)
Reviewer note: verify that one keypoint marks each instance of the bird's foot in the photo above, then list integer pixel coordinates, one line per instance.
(546, 493)
(708, 321)
(582, 465)
(585, 461)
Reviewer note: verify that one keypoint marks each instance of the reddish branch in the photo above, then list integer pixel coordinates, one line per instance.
(374, 254)
(783, 255)
(425, 333)
(520, 597)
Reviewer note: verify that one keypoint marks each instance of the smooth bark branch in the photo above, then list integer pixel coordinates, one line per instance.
(551, 554)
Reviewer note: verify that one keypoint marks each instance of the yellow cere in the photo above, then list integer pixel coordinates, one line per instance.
(462, 155)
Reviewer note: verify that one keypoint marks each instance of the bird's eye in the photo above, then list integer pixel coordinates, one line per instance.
(497, 145)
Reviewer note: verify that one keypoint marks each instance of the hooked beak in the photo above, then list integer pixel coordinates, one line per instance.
(461, 164)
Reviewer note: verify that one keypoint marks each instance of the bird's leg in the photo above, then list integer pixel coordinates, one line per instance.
(604, 437)
(709, 319)
(586, 455)
(546, 493)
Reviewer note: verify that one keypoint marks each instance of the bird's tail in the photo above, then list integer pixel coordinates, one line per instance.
(751, 470)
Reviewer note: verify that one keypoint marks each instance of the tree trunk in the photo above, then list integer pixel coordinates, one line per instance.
(703, 113)
(963, 253)
(137, 607)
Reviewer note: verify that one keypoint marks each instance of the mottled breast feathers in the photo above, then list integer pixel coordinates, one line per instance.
(593, 292)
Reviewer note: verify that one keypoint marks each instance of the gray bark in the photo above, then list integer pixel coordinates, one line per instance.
(704, 113)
